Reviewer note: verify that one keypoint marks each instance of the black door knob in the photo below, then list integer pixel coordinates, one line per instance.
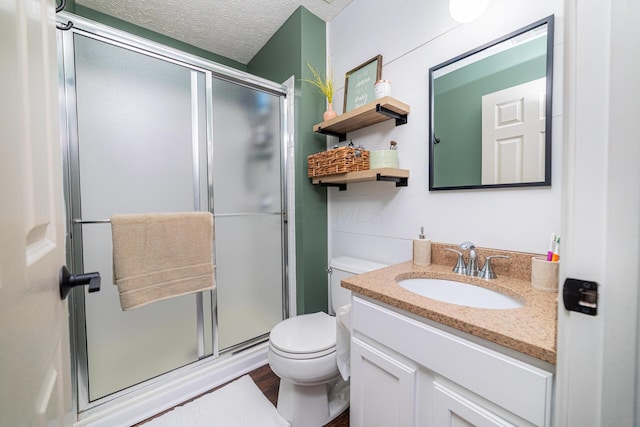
(68, 281)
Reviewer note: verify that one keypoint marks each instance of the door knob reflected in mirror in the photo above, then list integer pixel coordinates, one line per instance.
(68, 281)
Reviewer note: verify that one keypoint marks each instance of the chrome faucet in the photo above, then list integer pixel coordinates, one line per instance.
(472, 265)
(471, 268)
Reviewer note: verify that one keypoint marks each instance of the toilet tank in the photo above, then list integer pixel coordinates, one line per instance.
(341, 268)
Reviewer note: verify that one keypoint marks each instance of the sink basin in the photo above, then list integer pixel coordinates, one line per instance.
(460, 293)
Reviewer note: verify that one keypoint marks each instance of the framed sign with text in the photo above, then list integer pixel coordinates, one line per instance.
(359, 83)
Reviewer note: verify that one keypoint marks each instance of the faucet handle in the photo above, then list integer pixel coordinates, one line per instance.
(460, 268)
(487, 272)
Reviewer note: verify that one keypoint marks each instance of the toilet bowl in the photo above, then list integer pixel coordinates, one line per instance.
(302, 352)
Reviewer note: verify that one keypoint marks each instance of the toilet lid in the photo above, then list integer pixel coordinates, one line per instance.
(304, 334)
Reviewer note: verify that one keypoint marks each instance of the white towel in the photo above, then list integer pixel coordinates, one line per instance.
(343, 340)
(161, 255)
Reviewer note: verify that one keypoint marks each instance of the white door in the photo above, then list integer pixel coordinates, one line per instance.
(34, 342)
(513, 134)
(598, 366)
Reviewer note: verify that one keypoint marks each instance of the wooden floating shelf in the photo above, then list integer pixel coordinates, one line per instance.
(380, 110)
(399, 176)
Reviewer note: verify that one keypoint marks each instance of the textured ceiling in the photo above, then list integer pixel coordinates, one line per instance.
(236, 29)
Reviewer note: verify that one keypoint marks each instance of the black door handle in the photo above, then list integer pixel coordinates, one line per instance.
(68, 281)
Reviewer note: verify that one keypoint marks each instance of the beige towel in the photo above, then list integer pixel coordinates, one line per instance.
(161, 255)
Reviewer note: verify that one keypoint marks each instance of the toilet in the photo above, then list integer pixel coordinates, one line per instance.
(302, 352)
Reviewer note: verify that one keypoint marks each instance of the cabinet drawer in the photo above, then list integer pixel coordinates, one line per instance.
(518, 387)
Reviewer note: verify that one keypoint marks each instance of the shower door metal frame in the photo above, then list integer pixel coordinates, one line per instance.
(69, 138)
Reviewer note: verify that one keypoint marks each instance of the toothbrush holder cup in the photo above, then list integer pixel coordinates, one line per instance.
(544, 274)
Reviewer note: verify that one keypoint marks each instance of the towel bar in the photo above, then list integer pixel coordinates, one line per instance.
(94, 221)
(108, 221)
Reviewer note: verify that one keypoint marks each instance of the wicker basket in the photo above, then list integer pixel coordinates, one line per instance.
(337, 161)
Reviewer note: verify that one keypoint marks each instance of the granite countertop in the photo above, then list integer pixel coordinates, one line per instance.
(530, 329)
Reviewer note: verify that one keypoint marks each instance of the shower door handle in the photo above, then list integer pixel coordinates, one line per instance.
(68, 281)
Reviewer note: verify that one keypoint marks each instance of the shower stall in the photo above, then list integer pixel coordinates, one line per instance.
(149, 129)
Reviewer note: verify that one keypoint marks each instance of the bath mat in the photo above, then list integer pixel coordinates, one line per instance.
(238, 404)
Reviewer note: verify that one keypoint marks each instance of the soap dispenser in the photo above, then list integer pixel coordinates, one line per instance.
(421, 249)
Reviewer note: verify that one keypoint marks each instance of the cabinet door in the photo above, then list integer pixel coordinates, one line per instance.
(383, 388)
(455, 409)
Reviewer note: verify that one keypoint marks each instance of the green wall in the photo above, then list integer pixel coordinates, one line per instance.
(458, 108)
(299, 41)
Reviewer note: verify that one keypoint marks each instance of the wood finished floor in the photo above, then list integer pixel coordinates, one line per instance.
(269, 382)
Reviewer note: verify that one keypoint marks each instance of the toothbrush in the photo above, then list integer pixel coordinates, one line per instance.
(552, 247)
(556, 251)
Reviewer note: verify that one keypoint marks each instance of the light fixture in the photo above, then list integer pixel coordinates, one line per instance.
(467, 10)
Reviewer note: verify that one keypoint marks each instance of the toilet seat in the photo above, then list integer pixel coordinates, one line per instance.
(306, 336)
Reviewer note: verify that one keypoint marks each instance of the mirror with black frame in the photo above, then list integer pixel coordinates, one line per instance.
(490, 121)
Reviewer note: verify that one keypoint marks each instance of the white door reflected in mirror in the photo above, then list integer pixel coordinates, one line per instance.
(513, 134)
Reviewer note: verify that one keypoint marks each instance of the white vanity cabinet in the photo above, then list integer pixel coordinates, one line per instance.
(405, 372)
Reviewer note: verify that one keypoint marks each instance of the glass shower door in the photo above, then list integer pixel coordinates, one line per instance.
(248, 210)
(152, 130)
(140, 147)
